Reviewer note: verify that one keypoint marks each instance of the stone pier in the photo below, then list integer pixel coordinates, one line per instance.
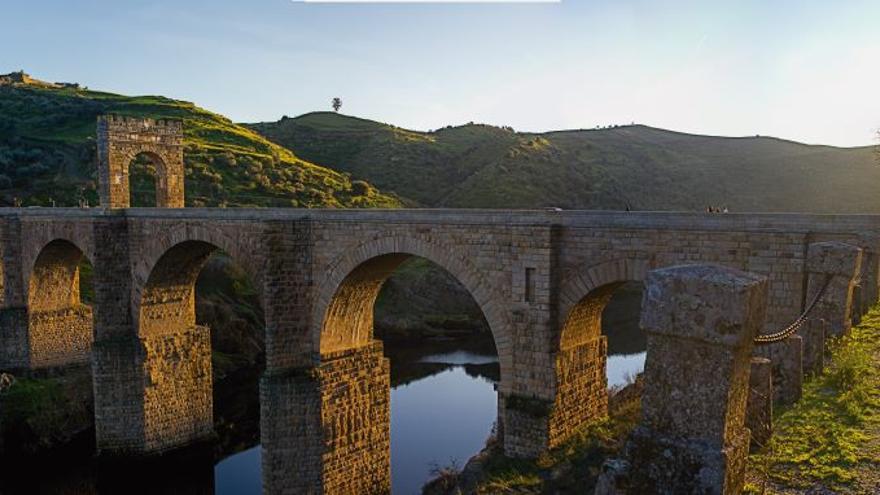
(327, 429)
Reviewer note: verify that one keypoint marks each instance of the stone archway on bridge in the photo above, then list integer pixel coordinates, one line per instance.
(581, 356)
(121, 140)
(343, 314)
(353, 375)
(60, 325)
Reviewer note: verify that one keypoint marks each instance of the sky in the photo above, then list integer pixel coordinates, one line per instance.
(803, 70)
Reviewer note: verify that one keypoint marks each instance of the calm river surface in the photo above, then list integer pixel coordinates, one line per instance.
(438, 419)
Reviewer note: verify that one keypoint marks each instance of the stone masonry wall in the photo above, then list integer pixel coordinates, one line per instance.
(178, 400)
(60, 337)
(356, 422)
(581, 389)
(327, 429)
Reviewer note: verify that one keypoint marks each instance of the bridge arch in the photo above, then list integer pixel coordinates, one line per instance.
(342, 317)
(60, 325)
(179, 402)
(202, 237)
(581, 350)
(584, 294)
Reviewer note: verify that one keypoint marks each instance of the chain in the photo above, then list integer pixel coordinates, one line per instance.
(799, 322)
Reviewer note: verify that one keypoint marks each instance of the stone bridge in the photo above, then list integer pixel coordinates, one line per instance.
(541, 279)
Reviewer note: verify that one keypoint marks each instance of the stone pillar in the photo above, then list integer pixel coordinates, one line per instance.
(870, 272)
(759, 413)
(701, 321)
(843, 263)
(813, 333)
(61, 337)
(327, 429)
(786, 359)
(531, 425)
(14, 344)
(117, 354)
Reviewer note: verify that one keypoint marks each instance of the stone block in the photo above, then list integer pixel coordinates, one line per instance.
(759, 411)
(813, 333)
(786, 358)
(701, 321)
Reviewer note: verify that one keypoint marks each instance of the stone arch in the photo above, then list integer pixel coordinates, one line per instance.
(584, 294)
(241, 249)
(160, 177)
(167, 272)
(121, 140)
(580, 363)
(60, 327)
(343, 312)
(178, 403)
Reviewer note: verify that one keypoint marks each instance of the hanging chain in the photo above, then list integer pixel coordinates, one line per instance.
(798, 323)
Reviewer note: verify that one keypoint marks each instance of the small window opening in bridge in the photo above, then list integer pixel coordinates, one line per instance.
(444, 367)
(530, 284)
(142, 174)
(627, 343)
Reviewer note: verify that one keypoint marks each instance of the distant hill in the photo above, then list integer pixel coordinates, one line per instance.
(47, 153)
(636, 167)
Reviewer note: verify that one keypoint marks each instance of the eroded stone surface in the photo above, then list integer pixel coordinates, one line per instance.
(842, 262)
(700, 322)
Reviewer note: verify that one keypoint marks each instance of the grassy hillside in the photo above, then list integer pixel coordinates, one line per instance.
(635, 167)
(47, 153)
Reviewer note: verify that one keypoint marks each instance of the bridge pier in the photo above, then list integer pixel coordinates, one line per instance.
(327, 429)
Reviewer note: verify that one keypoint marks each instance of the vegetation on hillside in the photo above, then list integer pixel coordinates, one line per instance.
(47, 154)
(635, 167)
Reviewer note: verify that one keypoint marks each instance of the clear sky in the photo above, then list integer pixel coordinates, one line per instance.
(804, 70)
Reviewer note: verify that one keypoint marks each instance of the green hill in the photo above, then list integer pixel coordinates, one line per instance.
(636, 167)
(47, 154)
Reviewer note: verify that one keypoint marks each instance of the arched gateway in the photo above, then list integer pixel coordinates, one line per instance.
(121, 140)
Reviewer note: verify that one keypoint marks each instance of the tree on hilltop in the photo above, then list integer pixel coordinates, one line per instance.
(337, 104)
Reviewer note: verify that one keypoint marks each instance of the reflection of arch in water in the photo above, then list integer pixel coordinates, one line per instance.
(581, 381)
(60, 326)
(178, 403)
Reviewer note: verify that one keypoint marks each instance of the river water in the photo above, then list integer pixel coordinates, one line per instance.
(450, 407)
